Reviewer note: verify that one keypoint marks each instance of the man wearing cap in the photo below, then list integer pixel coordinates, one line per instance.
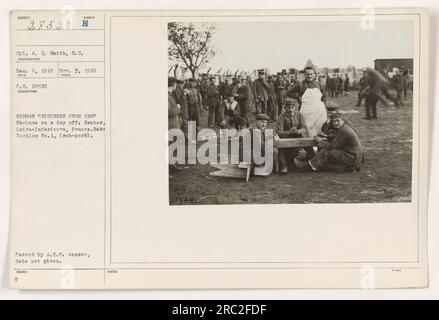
(344, 150)
(288, 126)
(260, 93)
(212, 102)
(181, 99)
(173, 107)
(194, 101)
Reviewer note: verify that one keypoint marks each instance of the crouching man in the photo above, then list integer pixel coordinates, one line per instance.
(230, 113)
(343, 151)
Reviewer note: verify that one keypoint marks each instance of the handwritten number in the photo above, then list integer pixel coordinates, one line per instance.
(31, 25)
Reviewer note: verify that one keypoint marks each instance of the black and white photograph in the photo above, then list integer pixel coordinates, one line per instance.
(293, 112)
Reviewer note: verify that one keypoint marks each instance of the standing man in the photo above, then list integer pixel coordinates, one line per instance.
(312, 99)
(339, 86)
(194, 102)
(398, 85)
(204, 84)
(332, 86)
(279, 86)
(346, 84)
(405, 82)
(272, 102)
(181, 99)
(212, 102)
(173, 107)
(261, 93)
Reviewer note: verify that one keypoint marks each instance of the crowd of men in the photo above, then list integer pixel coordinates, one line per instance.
(336, 86)
(231, 101)
(298, 109)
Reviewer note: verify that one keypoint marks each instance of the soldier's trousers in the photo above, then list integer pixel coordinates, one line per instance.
(272, 108)
(193, 113)
(261, 106)
(287, 155)
(399, 96)
(245, 112)
(213, 115)
(184, 126)
(337, 157)
(359, 96)
(371, 106)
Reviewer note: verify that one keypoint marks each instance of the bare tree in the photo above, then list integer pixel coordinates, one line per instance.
(191, 44)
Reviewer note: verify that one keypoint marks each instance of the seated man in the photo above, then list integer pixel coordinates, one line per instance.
(288, 126)
(261, 124)
(344, 149)
(230, 113)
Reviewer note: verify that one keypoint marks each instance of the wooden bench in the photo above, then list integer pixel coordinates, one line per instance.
(296, 143)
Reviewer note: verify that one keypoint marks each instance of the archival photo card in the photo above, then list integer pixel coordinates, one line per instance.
(219, 149)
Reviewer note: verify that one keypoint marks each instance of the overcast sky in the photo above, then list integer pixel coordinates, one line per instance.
(282, 45)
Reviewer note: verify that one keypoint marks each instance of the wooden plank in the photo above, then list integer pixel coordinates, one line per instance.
(244, 165)
(229, 172)
(296, 143)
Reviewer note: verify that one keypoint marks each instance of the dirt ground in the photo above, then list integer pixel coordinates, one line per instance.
(385, 176)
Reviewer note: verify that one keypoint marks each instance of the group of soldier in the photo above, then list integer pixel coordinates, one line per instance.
(232, 101)
(336, 86)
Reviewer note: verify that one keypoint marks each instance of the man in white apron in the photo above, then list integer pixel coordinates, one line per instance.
(312, 97)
